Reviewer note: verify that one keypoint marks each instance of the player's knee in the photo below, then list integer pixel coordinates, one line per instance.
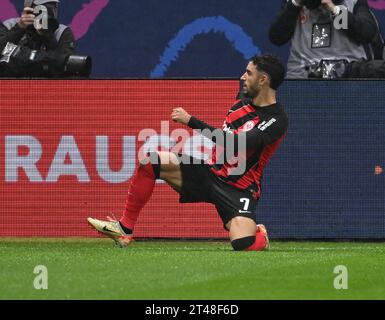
(241, 227)
(236, 222)
(153, 159)
(150, 157)
(243, 243)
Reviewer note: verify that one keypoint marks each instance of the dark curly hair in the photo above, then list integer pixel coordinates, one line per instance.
(272, 66)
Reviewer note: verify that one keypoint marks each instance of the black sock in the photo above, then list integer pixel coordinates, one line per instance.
(126, 230)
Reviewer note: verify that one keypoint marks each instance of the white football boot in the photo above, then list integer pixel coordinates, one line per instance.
(112, 229)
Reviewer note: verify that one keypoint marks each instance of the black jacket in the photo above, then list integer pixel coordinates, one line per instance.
(51, 53)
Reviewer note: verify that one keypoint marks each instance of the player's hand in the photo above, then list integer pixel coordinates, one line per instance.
(27, 18)
(180, 115)
(328, 4)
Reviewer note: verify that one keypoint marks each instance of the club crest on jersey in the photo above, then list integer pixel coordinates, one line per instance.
(249, 125)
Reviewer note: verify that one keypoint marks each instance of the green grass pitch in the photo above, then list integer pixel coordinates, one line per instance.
(96, 269)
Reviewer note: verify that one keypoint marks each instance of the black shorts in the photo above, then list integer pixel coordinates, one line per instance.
(200, 184)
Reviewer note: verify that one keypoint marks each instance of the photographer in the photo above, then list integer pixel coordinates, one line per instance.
(318, 48)
(31, 49)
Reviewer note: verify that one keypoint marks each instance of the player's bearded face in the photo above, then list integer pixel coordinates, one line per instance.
(251, 80)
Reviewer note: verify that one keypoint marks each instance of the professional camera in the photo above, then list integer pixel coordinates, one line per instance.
(328, 69)
(78, 66)
(15, 57)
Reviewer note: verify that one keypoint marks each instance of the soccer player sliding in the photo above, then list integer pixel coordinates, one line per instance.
(253, 129)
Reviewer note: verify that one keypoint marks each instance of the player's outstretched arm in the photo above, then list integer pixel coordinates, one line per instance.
(265, 133)
(182, 116)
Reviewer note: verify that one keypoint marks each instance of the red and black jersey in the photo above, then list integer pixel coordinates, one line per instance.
(262, 130)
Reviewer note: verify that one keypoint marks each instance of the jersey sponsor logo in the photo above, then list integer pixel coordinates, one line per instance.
(264, 125)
